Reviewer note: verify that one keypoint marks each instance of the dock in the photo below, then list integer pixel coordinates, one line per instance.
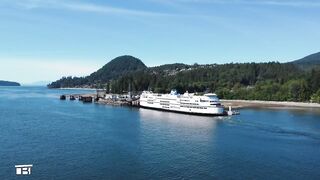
(118, 100)
(86, 98)
(99, 98)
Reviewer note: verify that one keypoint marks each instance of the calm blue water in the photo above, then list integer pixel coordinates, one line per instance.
(72, 140)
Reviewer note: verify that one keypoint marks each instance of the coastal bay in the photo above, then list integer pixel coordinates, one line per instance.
(113, 142)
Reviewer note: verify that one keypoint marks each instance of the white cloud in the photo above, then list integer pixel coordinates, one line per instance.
(84, 7)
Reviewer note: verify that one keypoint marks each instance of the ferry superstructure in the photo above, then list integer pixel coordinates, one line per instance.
(207, 104)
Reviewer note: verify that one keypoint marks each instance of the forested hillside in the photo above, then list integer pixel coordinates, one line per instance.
(309, 62)
(252, 81)
(112, 70)
(260, 81)
(313, 59)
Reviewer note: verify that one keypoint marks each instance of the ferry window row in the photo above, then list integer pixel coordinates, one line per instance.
(190, 103)
(164, 98)
(194, 107)
(204, 100)
(165, 104)
(185, 100)
(164, 101)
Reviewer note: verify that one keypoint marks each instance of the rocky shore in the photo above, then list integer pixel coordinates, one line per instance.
(268, 104)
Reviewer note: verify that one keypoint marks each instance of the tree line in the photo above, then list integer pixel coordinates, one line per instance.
(250, 81)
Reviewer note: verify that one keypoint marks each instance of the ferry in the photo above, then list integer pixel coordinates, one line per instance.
(207, 104)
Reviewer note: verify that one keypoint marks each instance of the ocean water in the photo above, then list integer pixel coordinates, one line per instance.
(72, 140)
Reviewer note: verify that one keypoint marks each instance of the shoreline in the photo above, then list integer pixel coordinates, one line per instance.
(238, 104)
(77, 89)
(268, 104)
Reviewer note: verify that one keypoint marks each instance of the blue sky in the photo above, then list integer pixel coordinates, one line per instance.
(47, 39)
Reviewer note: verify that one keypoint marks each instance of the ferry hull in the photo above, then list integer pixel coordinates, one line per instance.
(215, 111)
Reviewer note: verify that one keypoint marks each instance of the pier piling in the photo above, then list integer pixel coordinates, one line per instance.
(63, 97)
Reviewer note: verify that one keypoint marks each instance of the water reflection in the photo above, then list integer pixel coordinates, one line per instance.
(293, 110)
(183, 120)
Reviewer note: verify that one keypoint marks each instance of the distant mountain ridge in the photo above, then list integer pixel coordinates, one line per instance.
(313, 59)
(9, 83)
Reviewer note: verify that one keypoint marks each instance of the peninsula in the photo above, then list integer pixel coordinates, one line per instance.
(8, 83)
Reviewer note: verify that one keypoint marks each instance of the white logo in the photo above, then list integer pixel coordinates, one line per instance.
(23, 169)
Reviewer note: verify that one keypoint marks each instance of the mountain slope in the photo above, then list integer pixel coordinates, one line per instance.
(117, 67)
(112, 70)
(313, 59)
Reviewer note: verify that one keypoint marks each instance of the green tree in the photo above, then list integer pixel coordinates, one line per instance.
(316, 97)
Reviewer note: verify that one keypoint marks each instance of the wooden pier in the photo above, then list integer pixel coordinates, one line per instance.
(125, 102)
(100, 99)
(86, 98)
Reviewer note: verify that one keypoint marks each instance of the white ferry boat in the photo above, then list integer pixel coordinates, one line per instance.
(208, 104)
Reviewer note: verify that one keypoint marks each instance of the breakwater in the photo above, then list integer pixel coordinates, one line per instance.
(109, 99)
